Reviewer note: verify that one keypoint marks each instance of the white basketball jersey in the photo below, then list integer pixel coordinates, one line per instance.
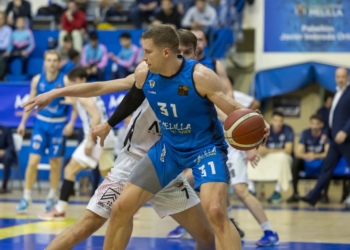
(143, 130)
(86, 120)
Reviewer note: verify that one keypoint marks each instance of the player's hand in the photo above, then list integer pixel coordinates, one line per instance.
(340, 137)
(310, 156)
(267, 130)
(68, 129)
(252, 157)
(40, 100)
(2, 153)
(88, 148)
(101, 131)
(21, 129)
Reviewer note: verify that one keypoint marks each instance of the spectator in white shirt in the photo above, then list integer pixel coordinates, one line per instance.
(200, 16)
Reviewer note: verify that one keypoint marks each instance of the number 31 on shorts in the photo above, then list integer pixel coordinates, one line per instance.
(204, 168)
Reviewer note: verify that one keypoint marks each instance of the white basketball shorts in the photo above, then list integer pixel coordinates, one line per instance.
(176, 197)
(237, 166)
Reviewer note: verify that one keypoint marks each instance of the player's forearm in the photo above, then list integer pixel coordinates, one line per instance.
(229, 106)
(74, 116)
(93, 89)
(25, 117)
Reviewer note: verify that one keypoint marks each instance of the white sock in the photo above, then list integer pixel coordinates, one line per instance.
(251, 186)
(266, 226)
(27, 194)
(229, 212)
(52, 194)
(61, 206)
(278, 188)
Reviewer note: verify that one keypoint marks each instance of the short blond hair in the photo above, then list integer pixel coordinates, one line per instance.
(52, 52)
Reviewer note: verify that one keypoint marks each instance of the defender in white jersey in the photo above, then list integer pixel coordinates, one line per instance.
(177, 199)
(91, 111)
(237, 163)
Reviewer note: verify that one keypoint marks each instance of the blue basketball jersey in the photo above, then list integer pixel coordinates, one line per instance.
(55, 109)
(187, 120)
(209, 63)
(313, 143)
(277, 140)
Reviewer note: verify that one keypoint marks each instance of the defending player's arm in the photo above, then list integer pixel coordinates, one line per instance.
(81, 90)
(69, 128)
(208, 85)
(33, 92)
(221, 71)
(132, 100)
(90, 106)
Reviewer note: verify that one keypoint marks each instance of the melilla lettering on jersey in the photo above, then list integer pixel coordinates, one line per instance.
(176, 128)
(205, 154)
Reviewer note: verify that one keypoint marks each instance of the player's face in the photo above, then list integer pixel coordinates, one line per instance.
(316, 125)
(187, 52)
(201, 41)
(20, 23)
(153, 56)
(277, 122)
(51, 63)
(341, 77)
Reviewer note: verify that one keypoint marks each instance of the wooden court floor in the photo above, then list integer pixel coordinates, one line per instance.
(299, 226)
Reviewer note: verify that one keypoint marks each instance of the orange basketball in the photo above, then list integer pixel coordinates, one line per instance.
(244, 129)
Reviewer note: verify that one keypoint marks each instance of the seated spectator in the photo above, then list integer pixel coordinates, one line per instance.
(94, 57)
(106, 9)
(56, 8)
(73, 22)
(124, 63)
(7, 155)
(311, 150)
(22, 44)
(324, 110)
(168, 15)
(19, 8)
(73, 61)
(183, 5)
(5, 40)
(200, 16)
(275, 159)
(64, 50)
(143, 9)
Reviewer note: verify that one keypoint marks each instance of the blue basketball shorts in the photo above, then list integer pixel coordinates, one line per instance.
(48, 136)
(208, 163)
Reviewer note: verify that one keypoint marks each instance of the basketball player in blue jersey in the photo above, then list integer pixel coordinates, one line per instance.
(183, 95)
(211, 63)
(49, 131)
(182, 207)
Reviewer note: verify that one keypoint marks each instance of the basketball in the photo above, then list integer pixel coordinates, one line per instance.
(244, 129)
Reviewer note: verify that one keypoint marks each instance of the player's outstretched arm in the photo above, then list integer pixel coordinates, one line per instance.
(90, 106)
(132, 100)
(25, 116)
(81, 90)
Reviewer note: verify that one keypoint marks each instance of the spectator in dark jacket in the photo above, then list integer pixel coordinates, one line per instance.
(168, 15)
(143, 9)
(18, 8)
(7, 155)
(73, 21)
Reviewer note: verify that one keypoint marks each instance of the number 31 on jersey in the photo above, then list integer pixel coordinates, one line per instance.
(164, 110)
